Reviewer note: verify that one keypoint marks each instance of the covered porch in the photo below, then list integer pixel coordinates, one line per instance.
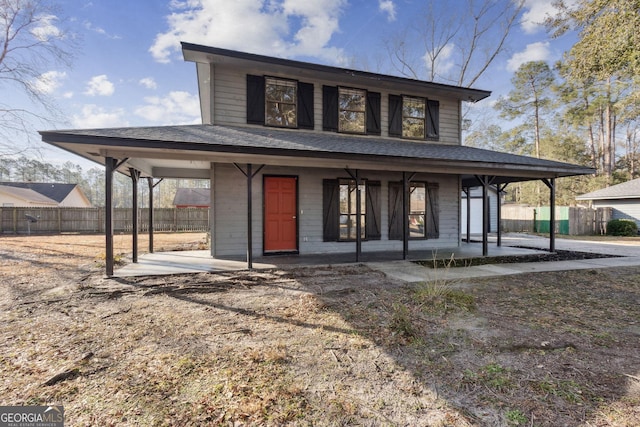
(190, 151)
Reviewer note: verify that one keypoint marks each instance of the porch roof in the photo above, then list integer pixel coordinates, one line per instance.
(187, 151)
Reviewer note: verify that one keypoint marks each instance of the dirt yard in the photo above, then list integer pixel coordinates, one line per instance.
(340, 345)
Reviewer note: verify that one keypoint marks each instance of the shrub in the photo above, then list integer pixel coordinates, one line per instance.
(622, 227)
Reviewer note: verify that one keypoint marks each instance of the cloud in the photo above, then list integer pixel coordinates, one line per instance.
(444, 61)
(45, 28)
(99, 30)
(93, 116)
(536, 11)
(538, 51)
(176, 108)
(148, 82)
(389, 8)
(48, 82)
(284, 28)
(99, 86)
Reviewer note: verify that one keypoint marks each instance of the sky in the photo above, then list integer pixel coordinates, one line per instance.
(129, 71)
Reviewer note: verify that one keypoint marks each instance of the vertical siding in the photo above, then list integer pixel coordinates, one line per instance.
(230, 104)
(230, 211)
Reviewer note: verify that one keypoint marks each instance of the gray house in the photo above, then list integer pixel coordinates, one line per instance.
(623, 199)
(311, 159)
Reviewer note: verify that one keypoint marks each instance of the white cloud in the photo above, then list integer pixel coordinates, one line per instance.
(389, 8)
(93, 116)
(536, 11)
(444, 61)
(48, 82)
(99, 30)
(176, 108)
(99, 86)
(285, 28)
(148, 82)
(45, 28)
(533, 52)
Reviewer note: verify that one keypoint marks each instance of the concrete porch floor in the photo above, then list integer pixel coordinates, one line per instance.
(177, 262)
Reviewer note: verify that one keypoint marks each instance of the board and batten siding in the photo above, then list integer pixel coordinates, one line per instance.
(229, 190)
(230, 97)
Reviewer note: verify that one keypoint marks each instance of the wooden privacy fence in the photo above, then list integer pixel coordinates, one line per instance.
(575, 221)
(14, 220)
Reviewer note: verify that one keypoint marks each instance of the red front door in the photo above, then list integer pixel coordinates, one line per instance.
(280, 209)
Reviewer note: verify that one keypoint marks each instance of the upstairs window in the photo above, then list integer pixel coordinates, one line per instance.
(414, 118)
(279, 102)
(350, 110)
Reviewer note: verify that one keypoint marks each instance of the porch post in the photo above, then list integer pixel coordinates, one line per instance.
(467, 191)
(109, 168)
(249, 218)
(135, 176)
(551, 183)
(500, 189)
(151, 186)
(358, 218)
(405, 216)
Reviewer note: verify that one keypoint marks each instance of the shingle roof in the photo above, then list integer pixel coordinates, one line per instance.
(625, 190)
(192, 197)
(55, 191)
(270, 141)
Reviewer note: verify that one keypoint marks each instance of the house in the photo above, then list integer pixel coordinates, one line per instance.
(310, 159)
(623, 199)
(42, 194)
(192, 198)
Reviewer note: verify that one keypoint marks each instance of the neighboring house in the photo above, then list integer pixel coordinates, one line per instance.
(192, 198)
(475, 200)
(310, 159)
(623, 199)
(63, 195)
(23, 197)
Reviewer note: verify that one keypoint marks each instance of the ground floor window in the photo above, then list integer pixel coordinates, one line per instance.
(340, 210)
(422, 210)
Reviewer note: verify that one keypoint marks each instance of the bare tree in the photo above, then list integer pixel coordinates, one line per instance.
(33, 42)
(457, 45)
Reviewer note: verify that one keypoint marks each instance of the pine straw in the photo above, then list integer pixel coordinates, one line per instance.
(318, 346)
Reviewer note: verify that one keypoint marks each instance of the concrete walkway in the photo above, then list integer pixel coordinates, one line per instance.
(627, 254)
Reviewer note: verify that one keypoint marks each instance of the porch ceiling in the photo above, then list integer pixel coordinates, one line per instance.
(187, 151)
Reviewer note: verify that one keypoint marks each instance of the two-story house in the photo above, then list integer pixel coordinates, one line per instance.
(310, 159)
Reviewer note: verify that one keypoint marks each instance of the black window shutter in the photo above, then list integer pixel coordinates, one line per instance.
(373, 210)
(433, 211)
(433, 119)
(373, 113)
(255, 99)
(305, 105)
(395, 115)
(330, 108)
(330, 213)
(395, 211)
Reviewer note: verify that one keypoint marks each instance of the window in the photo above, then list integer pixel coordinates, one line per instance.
(422, 210)
(414, 117)
(340, 210)
(281, 102)
(348, 210)
(351, 110)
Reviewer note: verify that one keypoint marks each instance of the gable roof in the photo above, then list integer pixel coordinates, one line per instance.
(214, 55)
(625, 190)
(27, 195)
(192, 197)
(55, 191)
(195, 146)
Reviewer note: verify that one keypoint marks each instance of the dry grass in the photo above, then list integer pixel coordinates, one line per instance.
(340, 345)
